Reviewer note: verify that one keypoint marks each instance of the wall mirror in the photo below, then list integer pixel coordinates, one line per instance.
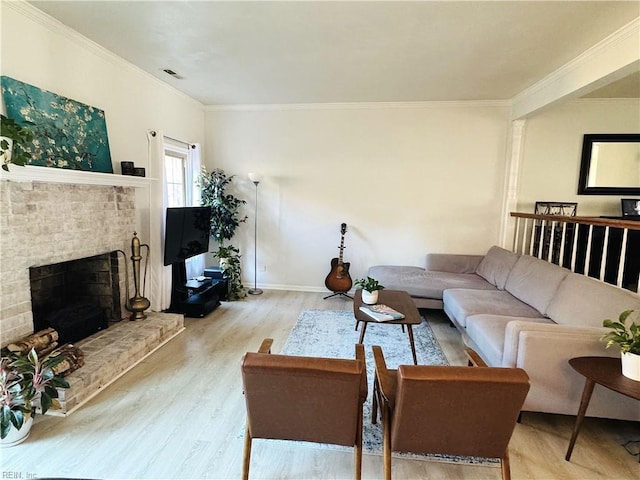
(610, 164)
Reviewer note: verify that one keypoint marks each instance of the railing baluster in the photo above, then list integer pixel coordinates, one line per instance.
(623, 257)
(552, 242)
(587, 259)
(541, 238)
(526, 235)
(563, 238)
(531, 239)
(574, 250)
(603, 260)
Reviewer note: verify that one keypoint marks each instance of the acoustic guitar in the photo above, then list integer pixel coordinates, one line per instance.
(339, 281)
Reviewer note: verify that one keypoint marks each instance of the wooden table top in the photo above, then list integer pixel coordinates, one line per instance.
(396, 299)
(606, 371)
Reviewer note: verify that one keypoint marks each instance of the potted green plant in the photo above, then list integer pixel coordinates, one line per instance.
(27, 384)
(225, 219)
(370, 287)
(628, 339)
(13, 141)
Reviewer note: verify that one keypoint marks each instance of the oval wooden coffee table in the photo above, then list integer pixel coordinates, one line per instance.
(398, 300)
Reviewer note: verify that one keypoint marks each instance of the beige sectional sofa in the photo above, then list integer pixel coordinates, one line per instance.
(520, 311)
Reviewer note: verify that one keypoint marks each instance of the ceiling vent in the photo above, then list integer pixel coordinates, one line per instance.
(172, 73)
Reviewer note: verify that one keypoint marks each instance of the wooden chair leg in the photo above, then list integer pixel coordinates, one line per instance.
(247, 453)
(358, 449)
(386, 443)
(374, 402)
(506, 467)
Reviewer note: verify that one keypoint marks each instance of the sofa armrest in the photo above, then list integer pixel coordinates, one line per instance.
(544, 351)
(585, 339)
(447, 262)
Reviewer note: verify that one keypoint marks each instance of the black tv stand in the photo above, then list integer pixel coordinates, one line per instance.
(193, 298)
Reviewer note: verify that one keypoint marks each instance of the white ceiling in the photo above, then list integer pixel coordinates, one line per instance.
(268, 52)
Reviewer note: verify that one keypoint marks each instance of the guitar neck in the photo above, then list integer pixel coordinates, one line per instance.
(341, 248)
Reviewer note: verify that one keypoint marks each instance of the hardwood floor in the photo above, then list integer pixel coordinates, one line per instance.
(180, 414)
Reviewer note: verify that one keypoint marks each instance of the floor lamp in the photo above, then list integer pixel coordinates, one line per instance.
(255, 178)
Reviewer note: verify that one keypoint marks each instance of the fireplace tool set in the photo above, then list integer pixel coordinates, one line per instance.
(138, 303)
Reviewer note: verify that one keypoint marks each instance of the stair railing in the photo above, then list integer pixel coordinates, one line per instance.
(606, 249)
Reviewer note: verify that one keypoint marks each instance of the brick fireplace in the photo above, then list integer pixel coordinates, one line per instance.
(47, 223)
(50, 223)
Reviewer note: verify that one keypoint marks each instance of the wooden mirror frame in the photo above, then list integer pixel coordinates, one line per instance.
(585, 165)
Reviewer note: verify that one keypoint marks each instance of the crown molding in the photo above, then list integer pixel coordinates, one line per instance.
(359, 105)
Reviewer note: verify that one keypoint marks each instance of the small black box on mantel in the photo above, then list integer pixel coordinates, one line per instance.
(127, 168)
(139, 172)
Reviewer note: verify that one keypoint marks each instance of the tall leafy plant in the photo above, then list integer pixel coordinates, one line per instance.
(225, 220)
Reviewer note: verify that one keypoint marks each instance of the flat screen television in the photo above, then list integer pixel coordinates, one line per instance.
(187, 231)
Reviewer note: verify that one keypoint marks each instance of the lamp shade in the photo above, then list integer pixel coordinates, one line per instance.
(255, 177)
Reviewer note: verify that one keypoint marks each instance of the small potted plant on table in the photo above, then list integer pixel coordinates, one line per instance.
(370, 288)
(628, 339)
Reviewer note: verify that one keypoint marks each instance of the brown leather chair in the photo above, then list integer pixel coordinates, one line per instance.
(306, 399)
(465, 411)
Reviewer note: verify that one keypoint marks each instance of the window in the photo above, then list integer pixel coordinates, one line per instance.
(182, 168)
(175, 170)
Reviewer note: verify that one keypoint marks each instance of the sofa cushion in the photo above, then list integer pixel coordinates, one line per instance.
(496, 265)
(535, 281)
(447, 262)
(419, 282)
(585, 301)
(460, 303)
(487, 332)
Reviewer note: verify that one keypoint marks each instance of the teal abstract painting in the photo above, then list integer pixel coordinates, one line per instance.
(67, 133)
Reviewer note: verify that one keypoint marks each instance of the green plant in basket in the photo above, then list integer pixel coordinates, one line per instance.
(368, 284)
(626, 337)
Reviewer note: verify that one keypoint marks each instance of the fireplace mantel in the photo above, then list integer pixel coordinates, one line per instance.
(31, 173)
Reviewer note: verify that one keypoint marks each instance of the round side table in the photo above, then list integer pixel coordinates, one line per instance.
(605, 371)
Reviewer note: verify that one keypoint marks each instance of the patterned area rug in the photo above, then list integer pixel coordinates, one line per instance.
(326, 333)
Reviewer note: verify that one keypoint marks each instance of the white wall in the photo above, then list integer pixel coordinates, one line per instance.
(553, 148)
(39, 50)
(406, 178)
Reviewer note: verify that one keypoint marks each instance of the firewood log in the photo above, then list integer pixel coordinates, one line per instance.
(74, 359)
(41, 341)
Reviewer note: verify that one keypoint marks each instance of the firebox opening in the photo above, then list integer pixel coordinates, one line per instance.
(77, 298)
